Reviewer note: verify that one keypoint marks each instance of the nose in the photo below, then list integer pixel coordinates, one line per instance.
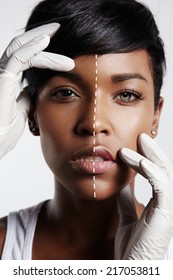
(95, 119)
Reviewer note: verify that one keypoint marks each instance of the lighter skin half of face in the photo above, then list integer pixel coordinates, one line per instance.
(125, 108)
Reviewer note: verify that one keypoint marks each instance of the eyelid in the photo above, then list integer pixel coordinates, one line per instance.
(59, 88)
(132, 91)
(137, 96)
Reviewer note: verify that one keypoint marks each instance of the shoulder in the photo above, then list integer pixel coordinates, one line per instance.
(3, 226)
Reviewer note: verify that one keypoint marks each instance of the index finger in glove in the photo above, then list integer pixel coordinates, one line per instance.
(46, 29)
(154, 153)
(132, 159)
(52, 61)
(30, 55)
(142, 165)
(155, 175)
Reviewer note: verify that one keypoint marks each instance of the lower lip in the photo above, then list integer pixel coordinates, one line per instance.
(92, 167)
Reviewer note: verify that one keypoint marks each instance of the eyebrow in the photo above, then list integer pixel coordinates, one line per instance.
(116, 78)
(70, 75)
(119, 78)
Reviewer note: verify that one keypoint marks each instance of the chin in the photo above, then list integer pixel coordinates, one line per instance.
(95, 187)
(102, 188)
(106, 188)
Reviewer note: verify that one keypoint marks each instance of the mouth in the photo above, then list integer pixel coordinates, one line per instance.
(93, 160)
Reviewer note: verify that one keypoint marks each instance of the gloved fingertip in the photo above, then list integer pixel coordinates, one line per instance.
(149, 169)
(42, 38)
(70, 64)
(123, 153)
(64, 63)
(53, 28)
(145, 142)
(127, 153)
(128, 156)
(48, 28)
(144, 138)
(54, 25)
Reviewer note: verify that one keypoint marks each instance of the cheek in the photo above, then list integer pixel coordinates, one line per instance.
(54, 122)
(55, 132)
(132, 123)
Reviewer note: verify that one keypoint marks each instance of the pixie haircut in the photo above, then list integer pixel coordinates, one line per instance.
(98, 27)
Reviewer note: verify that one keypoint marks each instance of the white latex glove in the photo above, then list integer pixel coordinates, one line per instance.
(25, 51)
(147, 238)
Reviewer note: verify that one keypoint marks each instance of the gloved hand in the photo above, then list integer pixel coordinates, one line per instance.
(25, 51)
(146, 238)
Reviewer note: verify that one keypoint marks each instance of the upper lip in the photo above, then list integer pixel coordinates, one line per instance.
(94, 151)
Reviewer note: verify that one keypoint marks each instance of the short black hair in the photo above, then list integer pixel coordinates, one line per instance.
(98, 27)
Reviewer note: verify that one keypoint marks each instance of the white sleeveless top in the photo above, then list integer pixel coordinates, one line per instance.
(20, 233)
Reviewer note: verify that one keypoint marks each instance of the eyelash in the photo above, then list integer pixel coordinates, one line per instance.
(130, 93)
(61, 91)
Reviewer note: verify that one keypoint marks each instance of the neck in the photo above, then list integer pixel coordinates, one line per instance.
(90, 219)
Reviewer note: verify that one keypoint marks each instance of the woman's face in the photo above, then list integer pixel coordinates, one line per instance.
(87, 115)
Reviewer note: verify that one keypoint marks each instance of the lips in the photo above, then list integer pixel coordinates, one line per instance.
(93, 160)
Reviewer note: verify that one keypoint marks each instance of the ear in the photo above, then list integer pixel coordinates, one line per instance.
(32, 122)
(156, 118)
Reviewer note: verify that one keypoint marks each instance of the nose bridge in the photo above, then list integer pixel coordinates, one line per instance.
(101, 112)
(89, 113)
(95, 116)
(86, 122)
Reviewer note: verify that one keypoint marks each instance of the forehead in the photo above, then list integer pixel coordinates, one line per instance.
(117, 63)
(110, 69)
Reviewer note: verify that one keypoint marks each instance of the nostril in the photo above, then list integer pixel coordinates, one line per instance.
(104, 131)
(85, 132)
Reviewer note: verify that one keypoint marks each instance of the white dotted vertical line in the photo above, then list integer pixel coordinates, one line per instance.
(94, 126)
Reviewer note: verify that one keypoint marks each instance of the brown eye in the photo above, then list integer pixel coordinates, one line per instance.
(64, 95)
